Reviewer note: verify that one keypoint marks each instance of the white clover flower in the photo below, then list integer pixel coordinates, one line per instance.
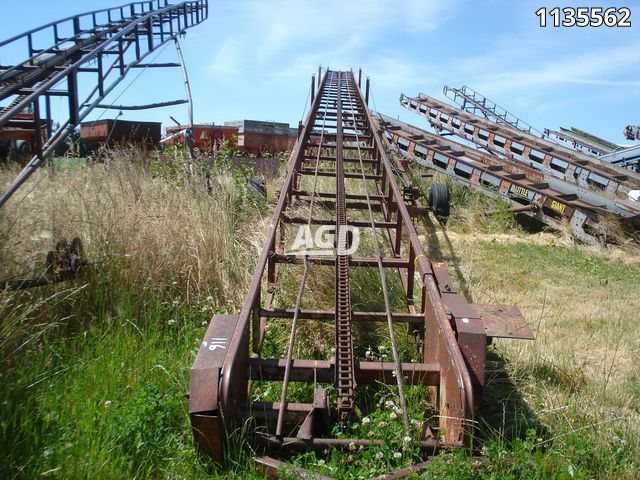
(397, 455)
(382, 348)
(366, 420)
(172, 321)
(368, 353)
(393, 415)
(379, 455)
(320, 463)
(389, 404)
(406, 439)
(107, 403)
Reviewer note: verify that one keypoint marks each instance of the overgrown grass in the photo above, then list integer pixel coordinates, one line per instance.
(94, 371)
(563, 406)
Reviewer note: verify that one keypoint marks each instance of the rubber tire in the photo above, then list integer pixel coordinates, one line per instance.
(439, 201)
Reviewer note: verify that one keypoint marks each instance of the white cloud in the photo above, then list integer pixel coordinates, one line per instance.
(227, 59)
(274, 46)
(304, 64)
(601, 67)
(269, 28)
(392, 71)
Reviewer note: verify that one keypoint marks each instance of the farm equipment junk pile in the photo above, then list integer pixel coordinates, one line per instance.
(339, 146)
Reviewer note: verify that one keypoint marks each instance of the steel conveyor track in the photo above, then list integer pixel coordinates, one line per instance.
(340, 178)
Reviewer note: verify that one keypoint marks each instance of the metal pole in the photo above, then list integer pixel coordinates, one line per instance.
(189, 134)
(313, 87)
(366, 95)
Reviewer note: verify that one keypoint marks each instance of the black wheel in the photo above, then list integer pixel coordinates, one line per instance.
(439, 201)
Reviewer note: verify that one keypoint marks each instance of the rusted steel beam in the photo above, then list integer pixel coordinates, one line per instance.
(456, 395)
(472, 338)
(327, 158)
(348, 196)
(233, 386)
(354, 205)
(297, 444)
(330, 315)
(322, 371)
(329, 260)
(319, 221)
(327, 173)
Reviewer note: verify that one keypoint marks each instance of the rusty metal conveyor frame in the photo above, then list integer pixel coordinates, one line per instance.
(339, 140)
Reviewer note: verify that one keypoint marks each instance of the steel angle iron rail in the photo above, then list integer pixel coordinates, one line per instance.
(452, 331)
(583, 172)
(531, 196)
(109, 48)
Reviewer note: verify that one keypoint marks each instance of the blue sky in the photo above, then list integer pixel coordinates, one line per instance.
(254, 58)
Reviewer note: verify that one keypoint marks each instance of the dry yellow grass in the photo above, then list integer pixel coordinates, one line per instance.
(581, 302)
(171, 233)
